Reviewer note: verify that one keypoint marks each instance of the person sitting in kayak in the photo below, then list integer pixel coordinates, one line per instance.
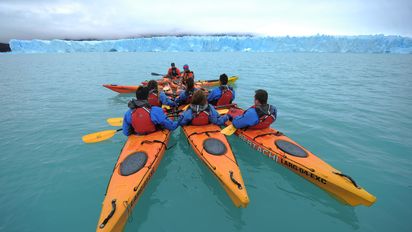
(187, 74)
(156, 97)
(173, 72)
(201, 113)
(185, 97)
(142, 118)
(259, 116)
(173, 76)
(222, 95)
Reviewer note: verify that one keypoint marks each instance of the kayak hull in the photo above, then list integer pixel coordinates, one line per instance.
(311, 167)
(124, 189)
(132, 88)
(122, 88)
(223, 166)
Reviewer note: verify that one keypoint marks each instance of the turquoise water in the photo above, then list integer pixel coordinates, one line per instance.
(353, 111)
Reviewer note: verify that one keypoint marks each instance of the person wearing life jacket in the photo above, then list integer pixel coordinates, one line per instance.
(142, 118)
(259, 116)
(185, 97)
(156, 97)
(222, 95)
(173, 72)
(173, 76)
(186, 74)
(201, 113)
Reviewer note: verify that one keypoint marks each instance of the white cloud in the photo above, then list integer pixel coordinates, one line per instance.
(114, 19)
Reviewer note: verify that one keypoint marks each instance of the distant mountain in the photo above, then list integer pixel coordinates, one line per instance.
(4, 47)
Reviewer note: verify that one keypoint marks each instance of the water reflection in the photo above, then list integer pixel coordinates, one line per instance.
(299, 188)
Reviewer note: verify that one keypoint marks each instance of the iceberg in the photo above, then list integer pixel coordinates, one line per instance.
(313, 44)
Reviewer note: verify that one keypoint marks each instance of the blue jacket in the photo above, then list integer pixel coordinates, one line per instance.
(157, 116)
(181, 100)
(250, 117)
(216, 93)
(165, 100)
(214, 117)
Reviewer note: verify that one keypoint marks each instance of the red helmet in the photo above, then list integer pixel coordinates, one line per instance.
(185, 67)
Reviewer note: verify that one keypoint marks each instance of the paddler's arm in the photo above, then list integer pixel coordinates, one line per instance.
(233, 96)
(182, 98)
(214, 95)
(215, 118)
(185, 118)
(127, 123)
(160, 118)
(165, 100)
(249, 118)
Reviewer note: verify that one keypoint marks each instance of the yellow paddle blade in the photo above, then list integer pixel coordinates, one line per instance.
(115, 121)
(222, 111)
(166, 107)
(229, 130)
(99, 136)
(185, 108)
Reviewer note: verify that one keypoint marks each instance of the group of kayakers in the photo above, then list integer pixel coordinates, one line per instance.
(145, 114)
(175, 78)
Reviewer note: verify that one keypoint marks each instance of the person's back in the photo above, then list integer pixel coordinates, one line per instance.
(142, 118)
(201, 113)
(185, 97)
(260, 116)
(222, 95)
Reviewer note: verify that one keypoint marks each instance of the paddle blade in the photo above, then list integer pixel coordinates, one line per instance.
(156, 74)
(229, 130)
(185, 108)
(115, 121)
(99, 136)
(222, 111)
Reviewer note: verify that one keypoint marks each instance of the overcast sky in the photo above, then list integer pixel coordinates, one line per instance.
(63, 19)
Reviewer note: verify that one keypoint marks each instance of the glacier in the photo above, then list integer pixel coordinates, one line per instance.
(313, 44)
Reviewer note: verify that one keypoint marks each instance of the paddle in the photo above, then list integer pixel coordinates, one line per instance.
(157, 74)
(99, 136)
(225, 106)
(229, 130)
(115, 121)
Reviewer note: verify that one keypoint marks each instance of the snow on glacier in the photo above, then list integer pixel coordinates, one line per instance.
(318, 43)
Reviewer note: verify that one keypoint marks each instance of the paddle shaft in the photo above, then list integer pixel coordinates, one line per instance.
(156, 74)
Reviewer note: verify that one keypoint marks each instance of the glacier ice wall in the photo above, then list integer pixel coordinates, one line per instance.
(318, 43)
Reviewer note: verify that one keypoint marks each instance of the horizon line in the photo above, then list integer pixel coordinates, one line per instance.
(211, 35)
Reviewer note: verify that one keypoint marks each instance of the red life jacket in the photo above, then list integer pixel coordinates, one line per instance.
(201, 118)
(226, 97)
(154, 98)
(141, 121)
(265, 119)
(173, 72)
(187, 75)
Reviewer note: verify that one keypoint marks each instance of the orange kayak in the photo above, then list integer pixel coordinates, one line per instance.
(299, 160)
(133, 88)
(122, 88)
(137, 162)
(214, 150)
